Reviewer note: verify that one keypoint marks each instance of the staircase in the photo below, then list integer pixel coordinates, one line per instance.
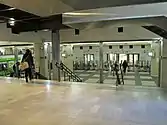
(67, 73)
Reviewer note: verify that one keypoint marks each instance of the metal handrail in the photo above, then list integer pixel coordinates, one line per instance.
(73, 75)
(68, 72)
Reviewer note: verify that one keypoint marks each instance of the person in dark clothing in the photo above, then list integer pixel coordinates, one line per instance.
(16, 71)
(27, 57)
(124, 65)
(116, 69)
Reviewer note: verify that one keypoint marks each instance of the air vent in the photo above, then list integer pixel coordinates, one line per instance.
(120, 30)
(76, 32)
(110, 47)
(130, 46)
(142, 46)
(121, 46)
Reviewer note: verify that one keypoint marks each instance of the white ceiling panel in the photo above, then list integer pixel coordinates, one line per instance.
(39, 7)
(50, 7)
(93, 4)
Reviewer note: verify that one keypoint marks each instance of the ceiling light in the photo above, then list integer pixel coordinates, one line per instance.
(12, 23)
(12, 8)
(12, 19)
(45, 30)
(88, 14)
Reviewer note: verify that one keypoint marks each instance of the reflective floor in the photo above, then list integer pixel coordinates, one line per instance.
(131, 78)
(75, 104)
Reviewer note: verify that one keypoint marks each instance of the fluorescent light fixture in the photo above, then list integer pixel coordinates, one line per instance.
(79, 14)
(151, 54)
(12, 21)
(84, 44)
(63, 54)
(87, 14)
(45, 30)
(12, 8)
(133, 42)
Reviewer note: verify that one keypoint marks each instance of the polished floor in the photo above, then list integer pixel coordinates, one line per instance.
(131, 78)
(51, 103)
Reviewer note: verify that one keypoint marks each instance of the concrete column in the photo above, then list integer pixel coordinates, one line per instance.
(37, 48)
(101, 61)
(49, 59)
(41, 64)
(155, 49)
(163, 64)
(67, 56)
(55, 53)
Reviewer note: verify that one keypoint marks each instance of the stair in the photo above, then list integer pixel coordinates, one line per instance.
(68, 74)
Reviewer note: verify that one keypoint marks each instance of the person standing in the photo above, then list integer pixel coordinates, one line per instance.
(124, 65)
(27, 57)
(116, 70)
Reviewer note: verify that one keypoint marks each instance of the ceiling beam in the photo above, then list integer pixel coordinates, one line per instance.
(50, 23)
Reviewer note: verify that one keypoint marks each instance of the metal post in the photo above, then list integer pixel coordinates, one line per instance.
(101, 61)
(42, 62)
(16, 60)
(49, 63)
(56, 53)
(160, 63)
(37, 48)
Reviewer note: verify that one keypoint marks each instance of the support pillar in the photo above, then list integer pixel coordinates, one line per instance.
(101, 61)
(155, 48)
(67, 59)
(55, 54)
(163, 64)
(41, 64)
(49, 60)
(37, 56)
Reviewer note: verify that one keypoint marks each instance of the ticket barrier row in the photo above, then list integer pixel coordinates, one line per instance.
(83, 66)
(144, 66)
(90, 66)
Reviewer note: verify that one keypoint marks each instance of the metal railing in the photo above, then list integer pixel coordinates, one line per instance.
(68, 75)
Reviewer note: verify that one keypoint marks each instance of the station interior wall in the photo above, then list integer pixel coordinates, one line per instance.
(72, 52)
(109, 33)
(78, 53)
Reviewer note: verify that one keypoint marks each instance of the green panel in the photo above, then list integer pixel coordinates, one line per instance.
(8, 59)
